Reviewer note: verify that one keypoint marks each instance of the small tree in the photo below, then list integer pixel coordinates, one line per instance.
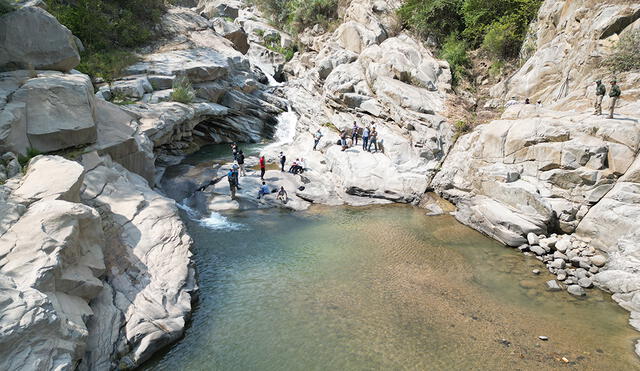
(626, 53)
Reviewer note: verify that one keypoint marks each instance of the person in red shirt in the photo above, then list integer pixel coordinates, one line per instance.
(262, 167)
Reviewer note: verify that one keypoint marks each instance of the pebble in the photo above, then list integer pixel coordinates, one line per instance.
(576, 290)
(553, 285)
(532, 239)
(536, 271)
(543, 338)
(524, 247)
(594, 270)
(585, 283)
(537, 250)
(558, 264)
(562, 276)
(563, 245)
(598, 260)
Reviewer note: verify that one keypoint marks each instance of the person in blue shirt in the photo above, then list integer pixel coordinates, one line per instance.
(264, 190)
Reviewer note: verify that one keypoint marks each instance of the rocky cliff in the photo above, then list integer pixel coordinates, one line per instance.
(95, 267)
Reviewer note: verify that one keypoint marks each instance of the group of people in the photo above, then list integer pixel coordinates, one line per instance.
(238, 169)
(601, 91)
(369, 137)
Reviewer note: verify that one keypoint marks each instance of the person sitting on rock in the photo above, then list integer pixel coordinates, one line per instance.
(614, 94)
(511, 102)
(343, 140)
(601, 90)
(296, 168)
(263, 191)
(282, 195)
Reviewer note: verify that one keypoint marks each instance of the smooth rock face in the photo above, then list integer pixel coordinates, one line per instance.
(43, 180)
(559, 159)
(33, 39)
(48, 275)
(53, 111)
(146, 239)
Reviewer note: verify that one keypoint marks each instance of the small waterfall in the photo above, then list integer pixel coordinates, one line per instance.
(286, 129)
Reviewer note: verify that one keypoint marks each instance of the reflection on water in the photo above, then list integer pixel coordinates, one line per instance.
(383, 288)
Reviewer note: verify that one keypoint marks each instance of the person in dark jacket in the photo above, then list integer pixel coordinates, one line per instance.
(614, 94)
(601, 90)
(240, 160)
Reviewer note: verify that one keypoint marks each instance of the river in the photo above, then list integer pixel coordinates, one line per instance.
(382, 288)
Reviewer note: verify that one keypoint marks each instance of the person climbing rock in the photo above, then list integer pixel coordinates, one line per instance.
(614, 94)
(282, 195)
(373, 140)
(232, 184)
(316, 139)
(601, 90)
(283, 160)
(263, 167)
(365, 138)
(263, 191)
(354, 134)
(240, 160)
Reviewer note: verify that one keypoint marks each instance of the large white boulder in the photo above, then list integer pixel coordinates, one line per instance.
(50, 112)
(30, 38)
(50, 178)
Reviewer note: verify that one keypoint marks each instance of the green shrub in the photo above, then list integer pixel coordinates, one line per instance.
(182, 91)
(496, 68)
(432, 18)
(502, 40)
(296, 15)
(462, 127)
(626, 53)
(108, 28)
(6, 7)
(107, 64)
(454, 51)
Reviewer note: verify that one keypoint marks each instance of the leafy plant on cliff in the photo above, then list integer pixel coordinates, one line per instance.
(108, 29)
(626, 53)
(499, 27)
(454, 51)
(182, 90)
(296, 15)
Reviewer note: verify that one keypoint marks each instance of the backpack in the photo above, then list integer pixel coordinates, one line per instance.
(240, 159)
(231, 178)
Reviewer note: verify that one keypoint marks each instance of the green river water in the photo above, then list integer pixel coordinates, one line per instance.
(382, 288)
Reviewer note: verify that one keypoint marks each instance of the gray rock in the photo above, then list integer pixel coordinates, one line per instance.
(562, 275)
(558, 264)
(553, 286)
(537, 250)
(532, 238)
(594, 270)
(33, 39)
(563, 245)
(576, 290)
(535, 271)
(598, 260)
(523, 247)
(559, 255)
(585, 282)
(543, 338)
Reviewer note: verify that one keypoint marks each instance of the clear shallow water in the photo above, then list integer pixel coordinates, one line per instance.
(382, 288)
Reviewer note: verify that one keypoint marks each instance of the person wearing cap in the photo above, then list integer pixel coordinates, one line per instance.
(601, 90)
(614, 94)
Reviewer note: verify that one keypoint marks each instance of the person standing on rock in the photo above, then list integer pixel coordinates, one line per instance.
(232, 184)
(614, 94)
(373, 140)
(240, 160)
(234, 151)
(316, 139)
(354, 133)
(263, 167)
(283, 160)
(601, 90)
(365, 139)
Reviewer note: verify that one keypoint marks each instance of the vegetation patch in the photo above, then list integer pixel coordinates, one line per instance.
(296, 15)
(273, 43)
(109, 29)
(182, 90)
(498, 27)
(24, 160)
(626, 53)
